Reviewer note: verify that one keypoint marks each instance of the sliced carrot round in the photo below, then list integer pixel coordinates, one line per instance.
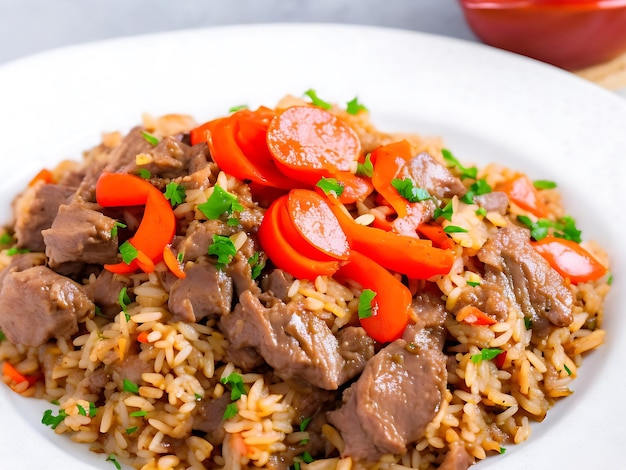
(308, 142)
(317, 224)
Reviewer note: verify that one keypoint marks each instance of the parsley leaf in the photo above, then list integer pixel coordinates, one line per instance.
(17, 251)
(454, 229)
(330, 186)
(2, 336)
(409, 191)
(81, 410)
(111, 458)
(224, 249)
(128, 252)
(239, 107)
(123, 299)
(130, 387)
(354, 107)
(365, 303)
(131, 430)
(476, 189)
(473, 283)
(544, 184)
(366, 168)
(481, 211)
(256, 265)
(316, 100)
(152, 140)
(6, 239)
(175, 193)
(230, 411)
(53, 421)
(237, 388)
(304, 423)
(452, 162)
(220, 202)
(138, 414)
(567, 369)
(485, 354)
(445, 212)
(144, 173)
(116, 227)
(565, 227)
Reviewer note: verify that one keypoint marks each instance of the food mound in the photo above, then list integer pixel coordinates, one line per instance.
(293, 288)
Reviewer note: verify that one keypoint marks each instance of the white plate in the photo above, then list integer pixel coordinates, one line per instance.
(488, 105)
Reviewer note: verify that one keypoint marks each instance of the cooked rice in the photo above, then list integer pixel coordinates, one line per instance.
(484, 408)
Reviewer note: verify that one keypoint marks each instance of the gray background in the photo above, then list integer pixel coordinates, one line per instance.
(31, 26)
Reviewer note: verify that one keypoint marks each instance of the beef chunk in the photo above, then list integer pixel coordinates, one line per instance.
(205, 291)
(457, 458)
(429, 174)
(199, 237)
(22, 261)
(105, 291)
(495, 201)
(296, 343)
(80, 234)
(278, 283)
(34, 210)
(52, 309)
(515, 274)
(395, 398)
(209, 417)
(131, 368)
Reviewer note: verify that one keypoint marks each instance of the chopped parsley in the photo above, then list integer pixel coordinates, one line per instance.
(144, 173)
(130, 386)
(81, 410)
(113, 459)
(445, 212)
(256, 264)
(138, 414)
(2, 336)
(481, 211)
(93, 409)
(454, 229)
(565, 227)
(239, 107)
(230, 411)
(316, 100)
(544, 184)
(452, 162)
(473, 283)
(365, 303)
(53, 421)
(485, 354)
(502, 450)
(528, 323)
(128, 252)
(224, 249)
(235, 382)
(609, 281)
(17, 251)
(152, 140)
(6, 239)
(123, 299)
(116, 228)
(220, 202)
(354, 107)
(567, 369)
(304, 423)
(131, 430)
(476, 189)
(407, 189)
(175, 193)
(330, 186)
(366, 168)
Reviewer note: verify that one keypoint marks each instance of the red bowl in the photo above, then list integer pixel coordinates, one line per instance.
(571, 34)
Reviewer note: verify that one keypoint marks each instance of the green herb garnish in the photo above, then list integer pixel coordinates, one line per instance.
(230, 411)
(130, 387)
(481, 211)
(81, 410)
(152, 140)
(445, 212)
(476, 189)
(116, 227)
(113, 459)
(131, 430)
(567, 369)
(316, 100)
(486, 354)
(138, 414)
(473, 283)
(53, 421)
(452, 162)
(224, 249)
(256, 265)
(175, 193)
(220, 202)
(128, 252)
(365, 303)
(366, 168)
(239, 107)
(330, 186)
(565, 227)
(17, 251)
(2, 336)
(144, 173)
(6, 239)
(454, 229)
(354, 107)
(407, 189)
(544, 184)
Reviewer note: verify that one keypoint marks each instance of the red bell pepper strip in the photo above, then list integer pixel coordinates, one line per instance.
(570, 259)
(416, 258)
(44, 175)
(522, 192)
(474, 316)
(309, 143)
(228, 155)
(158, 223)
(172, 262)
(355, 188)
(283, 254)
(390, 306)
(435, 233)
(8, 370)
(388, 162)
